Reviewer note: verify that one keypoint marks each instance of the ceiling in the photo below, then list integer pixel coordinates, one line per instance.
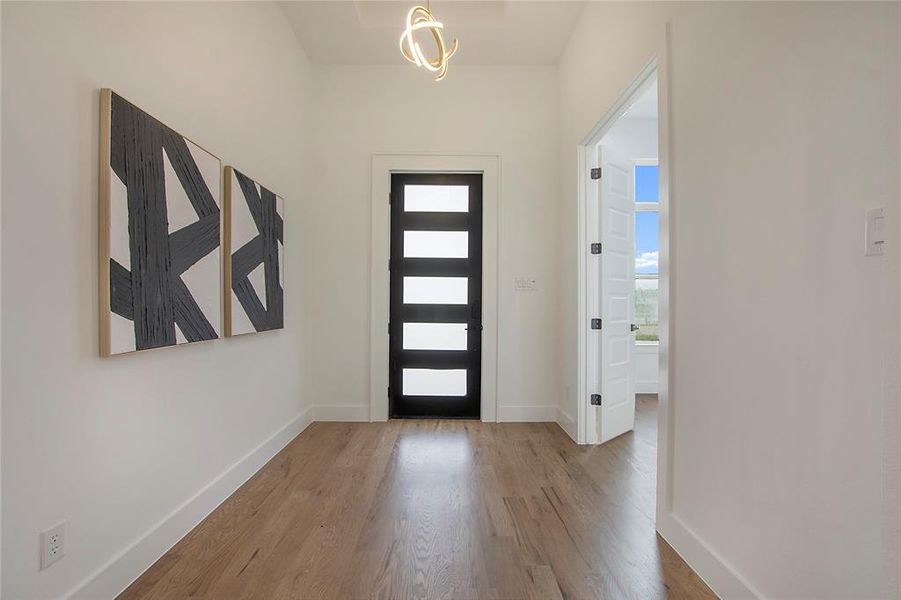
(508, 32)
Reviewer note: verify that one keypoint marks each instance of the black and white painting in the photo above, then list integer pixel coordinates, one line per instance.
(256, 250)
(160, 233)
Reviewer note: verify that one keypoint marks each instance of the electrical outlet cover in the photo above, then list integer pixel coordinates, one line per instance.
(53, 544)
(525, 284)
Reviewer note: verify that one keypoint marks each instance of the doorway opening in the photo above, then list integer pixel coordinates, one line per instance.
(628, 217)
(435, 319)
(384, 168)
(620, 266)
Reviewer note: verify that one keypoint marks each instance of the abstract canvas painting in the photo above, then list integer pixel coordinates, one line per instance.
(160, 266)
(255, 240)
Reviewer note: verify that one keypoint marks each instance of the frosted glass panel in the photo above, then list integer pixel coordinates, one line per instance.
(436, 290)
(436, 244)
(434, 382)
(436, 198)
(434, 336)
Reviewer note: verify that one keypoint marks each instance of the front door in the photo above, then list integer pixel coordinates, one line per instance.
(435, 327)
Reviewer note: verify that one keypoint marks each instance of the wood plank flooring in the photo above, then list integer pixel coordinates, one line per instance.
(436, 509)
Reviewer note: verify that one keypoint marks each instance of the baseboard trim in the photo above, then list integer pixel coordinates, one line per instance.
(567, 424)
(352, 412)
(716, 572)
(124, 568)
(505, 414)
(117, 574)
(526, 414)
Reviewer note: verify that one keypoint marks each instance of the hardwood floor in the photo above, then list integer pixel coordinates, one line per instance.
(436, 509)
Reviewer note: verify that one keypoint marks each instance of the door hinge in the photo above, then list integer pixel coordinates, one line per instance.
(595, 323)
(596, 248)
(596, 173)
(595, 400)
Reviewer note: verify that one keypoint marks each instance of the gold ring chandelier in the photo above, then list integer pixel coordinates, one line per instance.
(418, 18)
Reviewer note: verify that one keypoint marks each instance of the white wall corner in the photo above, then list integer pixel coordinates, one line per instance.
(712, 568)
(124, 568)
(567, 423)
(350, 413)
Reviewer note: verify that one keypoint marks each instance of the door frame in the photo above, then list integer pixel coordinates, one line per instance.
(586, 419)
(383, 165)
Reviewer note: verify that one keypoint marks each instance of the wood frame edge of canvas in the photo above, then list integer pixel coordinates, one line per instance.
(104, 228)
(103, 257)
(227, 174)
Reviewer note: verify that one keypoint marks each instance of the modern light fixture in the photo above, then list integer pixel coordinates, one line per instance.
(420, 17)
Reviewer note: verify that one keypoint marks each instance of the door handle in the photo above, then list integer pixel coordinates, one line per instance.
(634, 327)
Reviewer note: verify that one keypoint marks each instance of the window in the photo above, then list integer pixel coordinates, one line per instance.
(647, 249)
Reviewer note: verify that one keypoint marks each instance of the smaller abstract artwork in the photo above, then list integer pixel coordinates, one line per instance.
(254, 296)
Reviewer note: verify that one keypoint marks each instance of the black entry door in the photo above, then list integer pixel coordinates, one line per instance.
(435, 328)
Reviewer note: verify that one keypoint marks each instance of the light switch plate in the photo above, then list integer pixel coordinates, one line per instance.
(875, 232)
(53, 544)
(525, 284)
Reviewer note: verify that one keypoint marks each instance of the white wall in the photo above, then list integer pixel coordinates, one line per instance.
(492, 110)
(636, 138)
(784, 130)
(646, 368)
(114, 446)
(892, 414)
(892, 420)
(1, 295)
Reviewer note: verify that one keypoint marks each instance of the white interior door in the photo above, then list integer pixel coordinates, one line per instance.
(617, 286)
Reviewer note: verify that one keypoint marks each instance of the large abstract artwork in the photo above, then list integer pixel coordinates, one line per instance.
(255, 273)
(160, 269)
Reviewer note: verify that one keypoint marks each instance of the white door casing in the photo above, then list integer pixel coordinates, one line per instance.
(588, 376)
(617, 287)
(383, 165)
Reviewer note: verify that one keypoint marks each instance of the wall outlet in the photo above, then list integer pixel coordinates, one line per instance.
(53, 544)
(525, 284)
